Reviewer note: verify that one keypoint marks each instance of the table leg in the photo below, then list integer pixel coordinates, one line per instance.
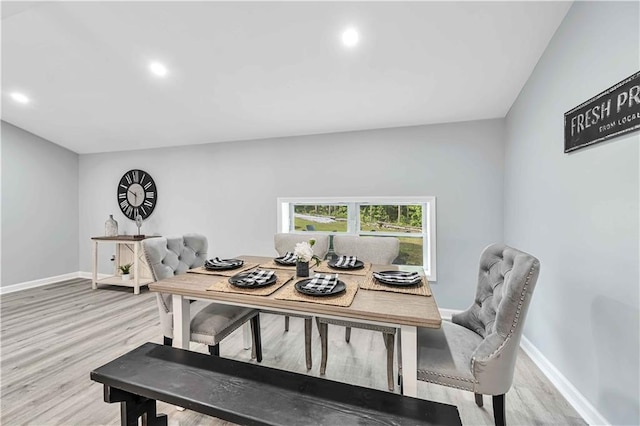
(181, 322)
(246, 335)
(94, 280)
(136, 276)
(409, 336)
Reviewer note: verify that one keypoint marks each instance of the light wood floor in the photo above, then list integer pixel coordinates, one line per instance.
(53, 336)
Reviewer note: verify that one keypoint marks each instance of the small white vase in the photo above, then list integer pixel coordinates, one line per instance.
(126, 277)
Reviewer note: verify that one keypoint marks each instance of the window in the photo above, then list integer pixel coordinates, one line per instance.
(410, 219)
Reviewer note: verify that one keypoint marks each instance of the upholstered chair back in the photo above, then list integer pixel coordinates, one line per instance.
(379, 250)
(285, 242)
(169, 256)
(506, 281)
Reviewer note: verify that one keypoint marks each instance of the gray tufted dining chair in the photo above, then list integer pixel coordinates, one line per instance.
(477, 350)
(210, 322)
(377, 250)
(283, 243)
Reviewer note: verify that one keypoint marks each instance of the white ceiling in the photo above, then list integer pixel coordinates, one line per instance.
(240, 70)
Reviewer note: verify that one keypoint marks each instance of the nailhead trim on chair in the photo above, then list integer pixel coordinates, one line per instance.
(428, 380)
(515, 320)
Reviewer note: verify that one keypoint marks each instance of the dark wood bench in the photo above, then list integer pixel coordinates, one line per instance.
(251, 394)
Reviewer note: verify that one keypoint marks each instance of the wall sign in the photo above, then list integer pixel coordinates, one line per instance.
(612, 113)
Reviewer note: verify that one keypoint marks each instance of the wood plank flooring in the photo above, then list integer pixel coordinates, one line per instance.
(53, 336)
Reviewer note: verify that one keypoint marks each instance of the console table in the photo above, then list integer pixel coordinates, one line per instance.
(128, 250)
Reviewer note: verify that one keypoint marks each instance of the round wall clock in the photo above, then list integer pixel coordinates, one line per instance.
(137, 194)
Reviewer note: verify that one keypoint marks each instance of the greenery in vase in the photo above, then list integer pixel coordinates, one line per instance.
(125, 268)
(304, 252)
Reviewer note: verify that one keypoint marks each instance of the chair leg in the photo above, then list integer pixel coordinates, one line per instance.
(308, 328)
(255, 332)
(318, 325)
(479, 400)
(347, 334)
(324, 331)
(168, 341)
(286, 323)
(498, 410)
(389, 338)
(399, 339)
(214, 349)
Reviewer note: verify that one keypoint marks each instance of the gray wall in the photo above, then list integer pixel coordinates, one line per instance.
(579, 212)
(461, 164)
(39, 207)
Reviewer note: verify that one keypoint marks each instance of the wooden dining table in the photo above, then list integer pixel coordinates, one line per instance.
(405, 312)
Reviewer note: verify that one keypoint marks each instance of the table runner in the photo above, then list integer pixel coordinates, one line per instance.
(371, 283)
(227, 273)
(324, 267)
(281, 279)
(345, 298)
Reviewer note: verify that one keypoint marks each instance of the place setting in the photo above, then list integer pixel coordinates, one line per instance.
(398, 282)
(346, 265)
(259, 282)
(286, 262)
(223, 267)
(328, 289)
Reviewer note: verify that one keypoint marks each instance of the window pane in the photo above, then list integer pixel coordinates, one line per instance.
(410, 251)
(320, 217)
(391, 218)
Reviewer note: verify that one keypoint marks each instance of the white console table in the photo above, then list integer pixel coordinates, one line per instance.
(128, 250)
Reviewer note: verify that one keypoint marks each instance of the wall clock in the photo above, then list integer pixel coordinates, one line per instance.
(137, 194)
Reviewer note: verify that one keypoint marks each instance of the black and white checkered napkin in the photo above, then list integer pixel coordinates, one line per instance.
(257, 277)
(216, 262)
(322, 283)
(346, 261)
(398, 277)
(288, 258)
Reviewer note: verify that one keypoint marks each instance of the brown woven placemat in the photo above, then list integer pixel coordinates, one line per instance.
(273, 265)
(228, 273)
(325, 268)
(281, 279)
(345, 298)
(371, 283)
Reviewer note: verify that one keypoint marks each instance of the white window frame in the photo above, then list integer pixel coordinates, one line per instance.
(428, 203)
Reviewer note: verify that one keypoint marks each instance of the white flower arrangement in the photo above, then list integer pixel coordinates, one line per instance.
(304, 252)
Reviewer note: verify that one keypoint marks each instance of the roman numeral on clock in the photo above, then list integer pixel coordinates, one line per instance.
(150, 194)
(147, 185)
(148, 203)
(135, 176)
(129, 181)
(124, 204)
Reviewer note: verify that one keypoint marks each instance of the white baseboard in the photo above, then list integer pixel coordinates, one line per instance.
(447, 313)
(587, 411)
(46, 281)
(38, 283)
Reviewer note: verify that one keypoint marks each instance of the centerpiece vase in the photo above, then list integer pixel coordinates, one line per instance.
(302, 269)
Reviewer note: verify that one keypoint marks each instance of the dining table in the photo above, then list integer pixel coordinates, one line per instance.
(405, 312)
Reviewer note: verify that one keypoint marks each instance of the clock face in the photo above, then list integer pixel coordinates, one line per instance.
(137, 194)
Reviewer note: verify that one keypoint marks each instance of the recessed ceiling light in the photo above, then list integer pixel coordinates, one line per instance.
(19, 97)
(350, 37)
(158, 69)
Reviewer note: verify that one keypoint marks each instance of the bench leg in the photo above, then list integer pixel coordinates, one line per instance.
(133, 407)
(347, 334)
(479, 400)
(286, 323)
(168, 341)
(257, 341)
(324, 331)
